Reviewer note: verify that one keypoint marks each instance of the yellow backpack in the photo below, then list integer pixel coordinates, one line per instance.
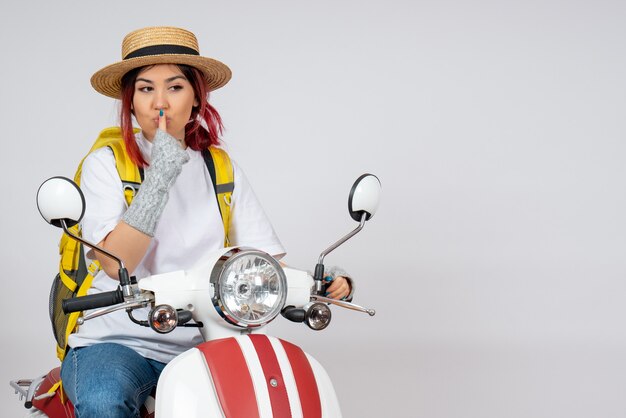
(75, 277)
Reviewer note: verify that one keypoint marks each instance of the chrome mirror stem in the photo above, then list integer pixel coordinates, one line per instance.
(319, 268)
(90, 245)
(125, 283)
(342, 240)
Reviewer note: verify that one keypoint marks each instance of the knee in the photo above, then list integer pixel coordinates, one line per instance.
(109, 401)
(114, 390)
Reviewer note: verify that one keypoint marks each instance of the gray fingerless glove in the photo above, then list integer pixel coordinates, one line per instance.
(166, 163)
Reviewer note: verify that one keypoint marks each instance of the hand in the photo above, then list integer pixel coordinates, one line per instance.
(338, 288)
(166, 164)
(162, 125)
(168, 156)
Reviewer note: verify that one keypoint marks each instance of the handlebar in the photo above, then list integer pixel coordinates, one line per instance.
(97, 300)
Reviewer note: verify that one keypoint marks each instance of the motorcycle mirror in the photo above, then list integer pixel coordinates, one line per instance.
(59, 198)
(364, 197)
(62, 204)
(362, 204)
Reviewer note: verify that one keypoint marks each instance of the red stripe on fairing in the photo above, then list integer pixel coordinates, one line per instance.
(231, 378)
(271, 370)
(305, 380)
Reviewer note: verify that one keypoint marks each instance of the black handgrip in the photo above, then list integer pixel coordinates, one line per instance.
(97, 300)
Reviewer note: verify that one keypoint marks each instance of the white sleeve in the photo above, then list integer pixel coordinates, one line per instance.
(249, 225)
(104, 196)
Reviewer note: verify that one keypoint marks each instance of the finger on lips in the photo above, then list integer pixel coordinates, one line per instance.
(162, 120)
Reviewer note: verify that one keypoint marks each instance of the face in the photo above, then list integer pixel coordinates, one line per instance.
(163, 86)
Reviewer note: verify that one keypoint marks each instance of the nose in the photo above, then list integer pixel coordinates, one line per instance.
(160, 99)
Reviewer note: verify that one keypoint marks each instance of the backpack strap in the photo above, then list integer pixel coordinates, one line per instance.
(221, 170)
(73, 271)
(128, 171)
(130, 174)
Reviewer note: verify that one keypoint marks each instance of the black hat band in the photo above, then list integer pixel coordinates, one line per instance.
(160, 50)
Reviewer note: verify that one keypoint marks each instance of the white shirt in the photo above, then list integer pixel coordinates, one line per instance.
(190, 225)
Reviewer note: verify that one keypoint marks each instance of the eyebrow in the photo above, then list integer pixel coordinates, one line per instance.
(169, 80)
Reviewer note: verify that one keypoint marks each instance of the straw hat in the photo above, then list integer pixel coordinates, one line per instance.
(159, 45)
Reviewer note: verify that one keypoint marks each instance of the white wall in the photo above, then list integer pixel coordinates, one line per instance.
(496, 262)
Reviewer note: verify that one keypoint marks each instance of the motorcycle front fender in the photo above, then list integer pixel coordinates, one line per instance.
(252, 376)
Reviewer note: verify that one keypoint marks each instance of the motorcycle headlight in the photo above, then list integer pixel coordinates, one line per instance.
(250, 287)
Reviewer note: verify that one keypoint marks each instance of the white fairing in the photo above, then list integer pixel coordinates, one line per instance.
(328, 396)
(299, 284)
(186, 389)
(191, 290)
(60, 198)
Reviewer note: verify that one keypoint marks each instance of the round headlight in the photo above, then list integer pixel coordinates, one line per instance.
(250, 287)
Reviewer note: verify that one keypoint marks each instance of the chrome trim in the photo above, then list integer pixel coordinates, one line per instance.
(216, 273)
(152, 320)
(318, 316)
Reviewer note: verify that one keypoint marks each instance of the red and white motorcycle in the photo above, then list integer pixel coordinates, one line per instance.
(231, 294)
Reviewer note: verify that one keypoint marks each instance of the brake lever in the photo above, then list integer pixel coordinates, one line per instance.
(140, 301)
(343, 304)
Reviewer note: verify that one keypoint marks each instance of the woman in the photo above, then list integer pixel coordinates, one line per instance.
(163, 82)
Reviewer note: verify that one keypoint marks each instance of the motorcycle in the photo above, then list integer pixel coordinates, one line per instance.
(230, 295)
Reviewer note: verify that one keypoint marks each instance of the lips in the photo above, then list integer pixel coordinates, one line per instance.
(167, 119)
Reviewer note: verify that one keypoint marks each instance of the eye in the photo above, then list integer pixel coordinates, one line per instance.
(176, 87)
(145, 89)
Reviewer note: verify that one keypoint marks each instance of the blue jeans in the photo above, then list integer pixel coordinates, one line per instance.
(108, 380)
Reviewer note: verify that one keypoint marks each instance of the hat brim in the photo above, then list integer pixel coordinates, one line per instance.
(108, 80)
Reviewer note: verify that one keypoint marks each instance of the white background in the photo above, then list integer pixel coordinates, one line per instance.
(496, 261)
